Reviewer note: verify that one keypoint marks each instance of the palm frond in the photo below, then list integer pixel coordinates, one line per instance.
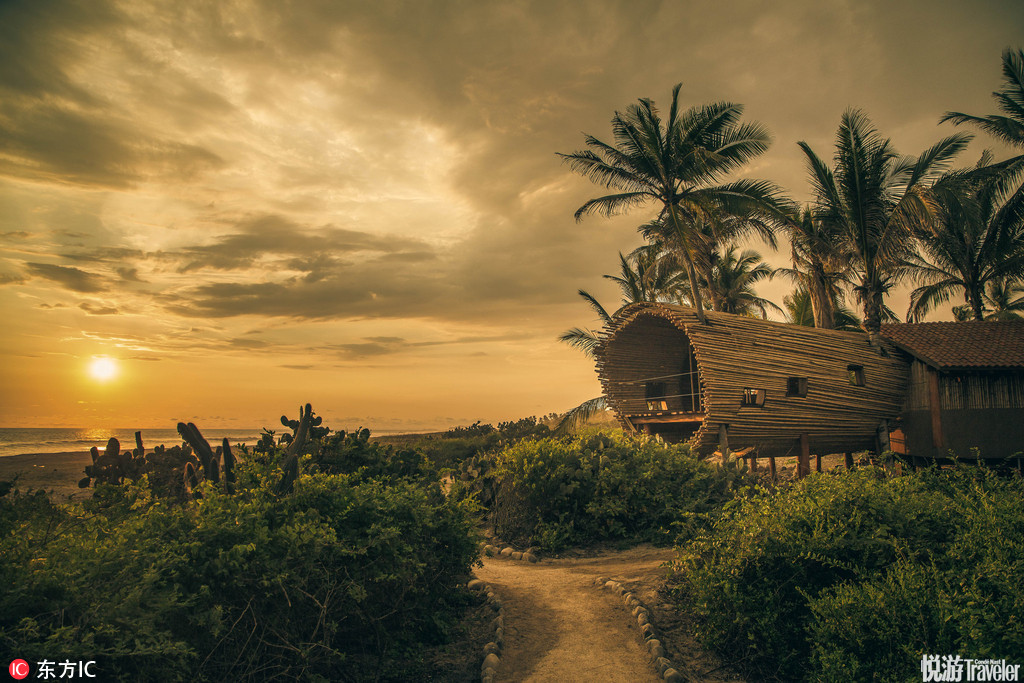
(573, 420)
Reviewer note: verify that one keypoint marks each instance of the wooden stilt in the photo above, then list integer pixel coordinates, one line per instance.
(753, 461)
(771, 465)
(849, 461)
(817, 463)
(803, 465)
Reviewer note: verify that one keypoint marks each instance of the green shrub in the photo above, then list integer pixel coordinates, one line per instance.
(330, 582)
(855, 576)
(560, 492)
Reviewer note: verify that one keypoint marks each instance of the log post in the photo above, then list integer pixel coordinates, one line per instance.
(771, 465)
(817, 463)
(849, 460)
(753, 460)
(935, 409)
(803, 464)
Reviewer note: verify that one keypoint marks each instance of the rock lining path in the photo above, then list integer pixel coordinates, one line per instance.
(559, 627)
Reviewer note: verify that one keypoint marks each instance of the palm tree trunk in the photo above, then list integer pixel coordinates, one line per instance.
(698, 301)
(977, 307)
(873, 313)
(713, 293)
(821, 303)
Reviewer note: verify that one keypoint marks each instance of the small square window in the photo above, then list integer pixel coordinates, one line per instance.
(753, 397)
(657, 405)
(796, 386)
(855, 373)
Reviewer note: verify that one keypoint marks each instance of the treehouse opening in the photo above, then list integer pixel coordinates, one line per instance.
(650, 372)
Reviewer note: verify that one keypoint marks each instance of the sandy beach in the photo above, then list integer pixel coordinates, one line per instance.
(56, 472)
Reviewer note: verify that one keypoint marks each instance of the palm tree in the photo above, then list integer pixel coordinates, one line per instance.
(999, 300)
(875, 200)
(977, 238)
(677, 164)
(820, 266)
(733, 279)
(712, 232)
(1010, 100)
(999, 296)
(800, 311)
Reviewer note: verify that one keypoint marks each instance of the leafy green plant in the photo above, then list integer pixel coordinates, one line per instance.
(560, 492)
(331, 581)
(855, 576)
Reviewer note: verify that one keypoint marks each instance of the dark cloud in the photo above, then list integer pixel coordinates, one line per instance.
(93, 309)
(129, 274)
(11, 279)
(15, 235)
(312, 249)
(45, 142)
(69, 278)
(55, 129)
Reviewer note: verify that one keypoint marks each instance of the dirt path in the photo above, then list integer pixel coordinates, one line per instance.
(560, 627)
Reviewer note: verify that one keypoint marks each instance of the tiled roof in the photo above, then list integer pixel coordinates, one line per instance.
(966, 345)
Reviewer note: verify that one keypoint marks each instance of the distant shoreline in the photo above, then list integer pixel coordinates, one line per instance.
(58, 473)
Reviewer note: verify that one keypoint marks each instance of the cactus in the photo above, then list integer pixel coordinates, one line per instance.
(190, 433)
(229, 467)
(291, 473)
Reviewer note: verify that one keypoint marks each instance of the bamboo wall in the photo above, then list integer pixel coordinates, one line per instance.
(735, 353)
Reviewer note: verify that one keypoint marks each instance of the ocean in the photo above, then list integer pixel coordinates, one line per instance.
(14, 441)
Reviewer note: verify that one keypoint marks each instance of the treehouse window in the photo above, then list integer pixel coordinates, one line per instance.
(655, 394)
(753, 397)
(796, 386)
(855, 373)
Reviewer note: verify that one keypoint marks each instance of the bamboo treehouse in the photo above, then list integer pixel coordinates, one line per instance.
(742, 383)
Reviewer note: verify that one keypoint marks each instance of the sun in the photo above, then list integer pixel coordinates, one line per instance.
(103, 368)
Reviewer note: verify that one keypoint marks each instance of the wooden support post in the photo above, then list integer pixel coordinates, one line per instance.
(936, 410)
(723, 442)
(803, 464)
(753, 461)
(771, 465)
(817, 463)
(849, 461)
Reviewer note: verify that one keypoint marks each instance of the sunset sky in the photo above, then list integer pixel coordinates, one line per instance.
(249, 205)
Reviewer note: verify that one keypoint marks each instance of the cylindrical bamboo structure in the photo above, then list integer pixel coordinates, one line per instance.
(767, 382)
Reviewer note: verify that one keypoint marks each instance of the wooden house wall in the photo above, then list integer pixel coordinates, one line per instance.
(736, 353)
(978, 414)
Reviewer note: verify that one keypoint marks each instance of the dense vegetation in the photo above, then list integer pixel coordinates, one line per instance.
(855, 576)
(559, 492)
(340, 579)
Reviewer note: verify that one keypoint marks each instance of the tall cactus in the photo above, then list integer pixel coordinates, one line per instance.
(229, 467)
(190, 434)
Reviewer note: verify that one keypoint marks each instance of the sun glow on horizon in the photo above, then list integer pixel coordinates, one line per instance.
(103, 368)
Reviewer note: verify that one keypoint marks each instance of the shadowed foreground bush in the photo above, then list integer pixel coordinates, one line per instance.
(331, 582)
(855, 576)
(561, 492)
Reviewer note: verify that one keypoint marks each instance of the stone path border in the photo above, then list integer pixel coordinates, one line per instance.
(661, 663)
(492, 650)
(528, 555)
